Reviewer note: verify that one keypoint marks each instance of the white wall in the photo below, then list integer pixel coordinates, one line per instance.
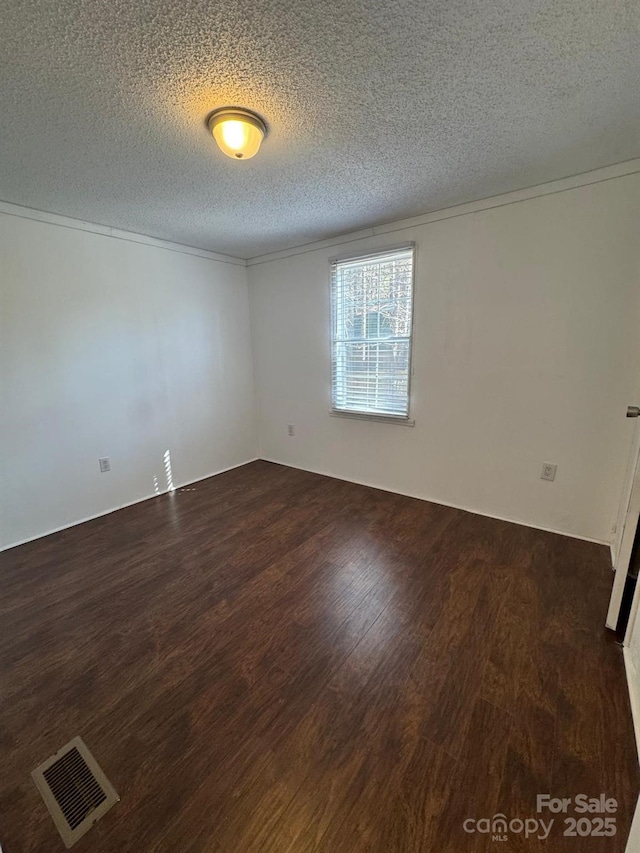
(119, 349)
(525, 351)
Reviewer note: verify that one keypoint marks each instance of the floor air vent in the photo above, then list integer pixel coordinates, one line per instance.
(74, 789)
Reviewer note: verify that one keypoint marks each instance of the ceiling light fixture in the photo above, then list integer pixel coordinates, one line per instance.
(239, 133)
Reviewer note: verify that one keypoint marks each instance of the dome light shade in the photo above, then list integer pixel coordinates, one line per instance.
(239, 133)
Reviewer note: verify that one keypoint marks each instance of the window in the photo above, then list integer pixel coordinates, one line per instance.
(371, 301)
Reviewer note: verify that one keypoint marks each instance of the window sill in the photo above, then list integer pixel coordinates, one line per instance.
(363, 416)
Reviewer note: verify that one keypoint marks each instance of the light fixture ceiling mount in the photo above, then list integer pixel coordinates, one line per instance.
(238, 132)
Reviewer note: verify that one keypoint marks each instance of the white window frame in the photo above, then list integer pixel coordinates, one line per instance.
(403, 420)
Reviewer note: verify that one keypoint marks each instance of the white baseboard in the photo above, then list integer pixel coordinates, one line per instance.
(440, 502)
(311, 471)
(123, 506)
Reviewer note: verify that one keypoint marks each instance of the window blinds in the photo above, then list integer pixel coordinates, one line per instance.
(372, 300)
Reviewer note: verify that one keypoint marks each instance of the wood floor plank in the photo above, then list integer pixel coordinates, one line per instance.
(475, 779)
(457, 694)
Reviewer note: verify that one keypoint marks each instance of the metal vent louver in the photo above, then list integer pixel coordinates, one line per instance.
(74, 789)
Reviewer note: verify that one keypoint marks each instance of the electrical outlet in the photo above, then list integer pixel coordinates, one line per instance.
(290, 429)
(548, 471)
(105, 464)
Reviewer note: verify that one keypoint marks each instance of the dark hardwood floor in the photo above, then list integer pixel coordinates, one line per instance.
(278, 661)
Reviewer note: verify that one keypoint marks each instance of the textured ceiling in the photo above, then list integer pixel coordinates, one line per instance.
(377, 110)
